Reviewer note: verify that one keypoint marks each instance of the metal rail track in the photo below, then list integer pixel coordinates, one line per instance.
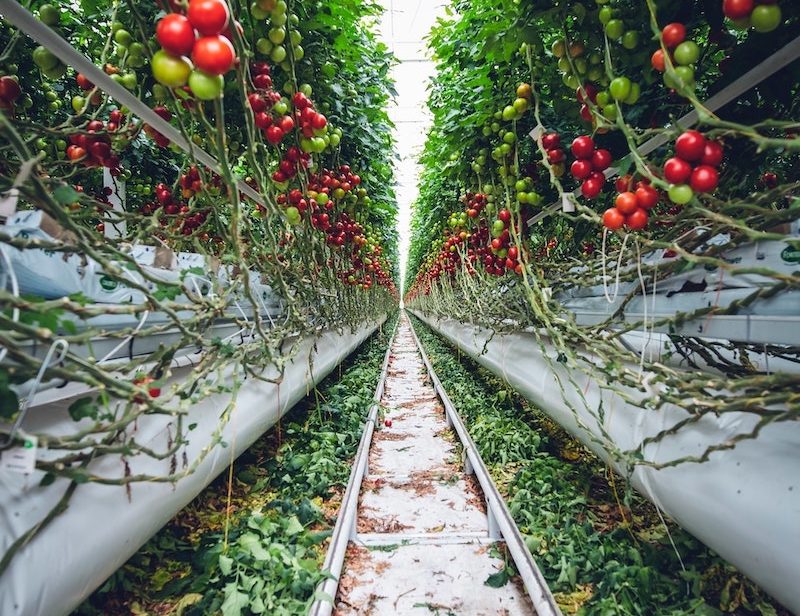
(501, 526)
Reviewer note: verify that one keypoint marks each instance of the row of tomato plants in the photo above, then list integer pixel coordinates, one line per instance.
(593, 83)
(262, 554)
(602, 548)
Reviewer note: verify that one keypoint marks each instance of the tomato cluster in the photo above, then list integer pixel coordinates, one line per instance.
(762, 15)
(166, 115)
(197, 34)
(93, 147)
(631, 206)
(589, 165)
(694, 166)
(551, 142)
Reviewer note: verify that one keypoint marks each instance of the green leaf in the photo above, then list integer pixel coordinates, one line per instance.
(225, 564)
(83, 408)
(251, 543)
(496, 580)
(235, 601)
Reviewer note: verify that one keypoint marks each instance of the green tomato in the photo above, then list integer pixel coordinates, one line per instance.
(685, 76)
(595, 73)
(335, 140)
(487, 130)
(571, 81)
(55, 72)
(78, 104)
(559, 48)
(605, 15)
(610, 111)
(299, 53)
(603, 98)
(521, 105)
(123, 38)
(257, 12)
(281, 107)
(630, 40)
(687, 53)
(170, 71)
(595, 59)
(264, 46)
(620, 88)
(293, 215)
(766, 17)
(278, 54)
(50, 96)
(136, 49)
(49, 15)
(278, 19)
(204, 86)
(44, 58)
(509, 113)
(563, 65)
(129, 81)
(510, 138)
(277, 35)
(160, 93)
(633, 97)
(497, 228)
(615, 29)
(581, 66)
(506, 149)
(520, 186)
(116, 25)
(680, 194)
(295, 37)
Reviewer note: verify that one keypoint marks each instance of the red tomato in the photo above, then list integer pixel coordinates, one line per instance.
(319, 121)
(175, 35)
(274, 135)
(513, 253)
(690, 145)
(626, 203)
(637, 220)
(613, 219)
(286, 123)
(677, 170)
(658, 61)
(704, 179)
(504, 215)
(583, 147)
(213, 54)
(737, 9)
(624, 183)
(75, 152)
(601, 160)
(581, 169)
(83, 82)
(555, 156)
(208, 16)
(551, 141)
(673, 35)
(591, 188)
(712, 153)
(646, 196)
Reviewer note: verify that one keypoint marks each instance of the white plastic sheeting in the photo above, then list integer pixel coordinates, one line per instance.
(744, 503)
(100, 530)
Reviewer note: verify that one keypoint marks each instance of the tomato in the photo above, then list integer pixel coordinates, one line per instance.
(551, 141)
(613, 219)
(601, 160)
(637, 220)
(49, 15)
(624, 183)
(690, 146)
(769, 179)
(704, 179)
(204, 86)
(319, 121)
(387, 423)
(83, 82)
(583, 147)
(626, 203)
(630, 40)
(687, 53)
(213, 54)
(555, 156)
(765, 18)
(581, 169)
(75, 152)
(524, 90)
(677, 170)
(209, 17)
(170, 71)
(286, 124)
(504, 216)
(591, 188)
(737, 9)
(712, 153)
(44, 58)
(658, 61)
(9, 89)
(620, 88)
(673, 35)
(615, 29)
(680, 194)
(175, 34)
(646, 196)
(274, 134)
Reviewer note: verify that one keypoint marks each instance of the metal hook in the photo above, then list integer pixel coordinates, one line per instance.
(62, 346)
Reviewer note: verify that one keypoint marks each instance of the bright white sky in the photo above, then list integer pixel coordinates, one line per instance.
(404, 26)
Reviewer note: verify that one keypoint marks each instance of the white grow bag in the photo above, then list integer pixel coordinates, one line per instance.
(744, 503)
(100, 530)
